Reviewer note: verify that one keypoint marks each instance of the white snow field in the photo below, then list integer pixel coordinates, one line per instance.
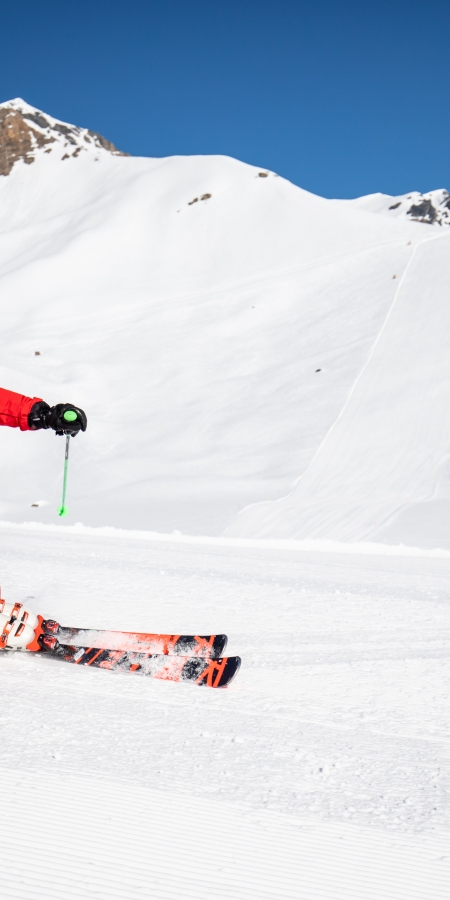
(261, 362)
(213, 319)
(388, 450)
(321, 773)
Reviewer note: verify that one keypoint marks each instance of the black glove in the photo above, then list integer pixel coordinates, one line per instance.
(64, 418)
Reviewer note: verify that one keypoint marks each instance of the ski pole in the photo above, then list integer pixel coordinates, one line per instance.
(70, 416)
(63, 510)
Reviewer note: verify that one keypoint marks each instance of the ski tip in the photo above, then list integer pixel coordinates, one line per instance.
(230, 670)
(218, 646)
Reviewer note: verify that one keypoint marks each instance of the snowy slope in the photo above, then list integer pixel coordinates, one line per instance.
(388, 450)
(321, 773)
(213, 343)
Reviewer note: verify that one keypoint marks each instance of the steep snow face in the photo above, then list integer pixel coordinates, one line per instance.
(27, 132)
(432, 208)
(210, 316)
(383, 469)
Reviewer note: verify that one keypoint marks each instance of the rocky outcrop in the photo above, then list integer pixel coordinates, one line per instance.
(18, 140)
(26, 132)
(431, 209)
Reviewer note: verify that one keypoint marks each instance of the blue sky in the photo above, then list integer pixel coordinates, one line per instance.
(343, 97)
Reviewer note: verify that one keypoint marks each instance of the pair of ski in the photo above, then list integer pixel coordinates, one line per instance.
(171, 657)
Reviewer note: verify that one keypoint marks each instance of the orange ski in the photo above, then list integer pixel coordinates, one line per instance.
(22, 629)
(213, 673)
(206, 647)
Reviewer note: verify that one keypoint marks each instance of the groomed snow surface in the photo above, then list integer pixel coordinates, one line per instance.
(321, 773)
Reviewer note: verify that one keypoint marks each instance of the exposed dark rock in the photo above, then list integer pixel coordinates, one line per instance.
(423, 212)
(63, 129)
(107, 145)
(205, 196)
(396, 205)
(37, 119)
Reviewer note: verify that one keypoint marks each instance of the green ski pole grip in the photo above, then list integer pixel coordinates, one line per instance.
(70, 415)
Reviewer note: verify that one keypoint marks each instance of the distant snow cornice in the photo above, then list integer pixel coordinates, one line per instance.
(26, 132)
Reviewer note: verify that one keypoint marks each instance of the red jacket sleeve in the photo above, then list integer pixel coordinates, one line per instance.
(14, 409)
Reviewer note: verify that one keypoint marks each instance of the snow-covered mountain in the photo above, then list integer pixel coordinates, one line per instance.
(215, 321)
(26, 133)
(432, 208)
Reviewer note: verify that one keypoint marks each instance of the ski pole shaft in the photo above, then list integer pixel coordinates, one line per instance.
(63, 510)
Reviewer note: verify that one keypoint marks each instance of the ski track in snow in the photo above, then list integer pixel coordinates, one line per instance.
(323, 771)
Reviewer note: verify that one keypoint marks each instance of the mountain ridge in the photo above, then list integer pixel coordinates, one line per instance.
(431, 208)
(25, 131)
